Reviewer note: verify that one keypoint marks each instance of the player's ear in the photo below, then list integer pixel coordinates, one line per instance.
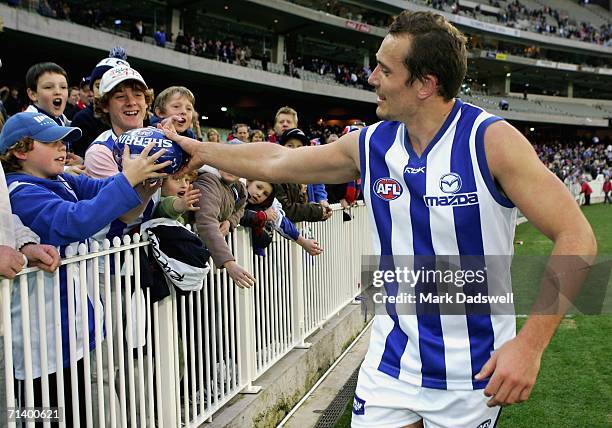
(427, 86)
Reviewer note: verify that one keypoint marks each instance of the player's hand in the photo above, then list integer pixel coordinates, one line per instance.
(241, 277)
(189, 145)
(143, 166)
(188, 201)
(513, 370)
(42, 256)
(224, 227)
(173, 122)
(311, 246)
(11, 262)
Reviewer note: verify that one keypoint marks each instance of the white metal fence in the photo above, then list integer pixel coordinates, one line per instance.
(128, 361)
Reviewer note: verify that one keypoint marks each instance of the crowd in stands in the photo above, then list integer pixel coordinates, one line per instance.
(573, 162)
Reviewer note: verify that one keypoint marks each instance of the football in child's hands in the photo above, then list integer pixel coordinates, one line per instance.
(139, 138)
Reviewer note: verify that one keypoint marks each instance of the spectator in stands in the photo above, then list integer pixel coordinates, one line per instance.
(178, 198)
(91, 125)
(176, 104)
(47, 87)
(503, 104)
(213, 136)
(71, 104)
(241, 132)
(293, 139)
(63, 210)
(45, 9)
(85, 94)
(607, 191)
(12, 103)
(285, 118)
(586, 190)
(257, 136)
(160, 36)
(294, 197)
(221, 208)
(137, 32)
(263, 214)
(195, 126)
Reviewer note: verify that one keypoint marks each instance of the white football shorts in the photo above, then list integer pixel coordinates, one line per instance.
(384, 401)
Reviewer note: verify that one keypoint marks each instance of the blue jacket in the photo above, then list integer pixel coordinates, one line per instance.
(63, 212)
(316, 193)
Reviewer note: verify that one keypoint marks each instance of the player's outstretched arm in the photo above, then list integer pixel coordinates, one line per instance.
(337, 162)
(545, 201)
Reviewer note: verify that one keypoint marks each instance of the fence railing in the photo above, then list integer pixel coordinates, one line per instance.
(90, 339)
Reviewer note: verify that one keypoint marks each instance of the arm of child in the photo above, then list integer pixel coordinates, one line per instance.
(99, 162)
(165, 208)
(238, 212)
(59, 222)
(296, 211)
(207, 220)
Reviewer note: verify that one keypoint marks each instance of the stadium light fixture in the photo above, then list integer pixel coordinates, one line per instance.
(532, 129)
(204, 117)
(223, 109)
(276, 21)
(508, 74)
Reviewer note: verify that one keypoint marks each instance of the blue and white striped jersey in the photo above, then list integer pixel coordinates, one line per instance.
(443, 202)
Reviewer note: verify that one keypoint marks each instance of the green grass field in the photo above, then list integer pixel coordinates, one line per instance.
(574, 388)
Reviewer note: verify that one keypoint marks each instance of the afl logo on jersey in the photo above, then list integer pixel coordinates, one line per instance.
(450, 183)
(388, 188)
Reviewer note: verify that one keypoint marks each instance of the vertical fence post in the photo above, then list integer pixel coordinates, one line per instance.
(296, 257)
(245, 308)
(166, 363)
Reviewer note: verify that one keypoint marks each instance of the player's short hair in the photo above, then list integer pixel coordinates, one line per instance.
(101, 102)
(37, 70)
(10, 163)
(162, 99)
(287, 110)
(437, 48)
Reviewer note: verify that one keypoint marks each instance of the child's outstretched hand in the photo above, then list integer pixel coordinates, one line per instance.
(188, 200)
(271, 214)
(143, 166)
(242, 278)
(311, 246)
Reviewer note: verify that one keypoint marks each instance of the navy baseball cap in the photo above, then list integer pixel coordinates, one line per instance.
(294, 133)
(37, 126)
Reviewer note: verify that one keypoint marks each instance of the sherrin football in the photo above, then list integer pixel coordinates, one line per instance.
(139, 138)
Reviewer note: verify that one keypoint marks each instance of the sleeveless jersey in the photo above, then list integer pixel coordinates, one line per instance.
(443, 202)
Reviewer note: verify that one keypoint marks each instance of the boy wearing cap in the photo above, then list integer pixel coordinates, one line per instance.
(47, 87)
(90, 125)
(122, 103)
(294, 197)
(62, 210)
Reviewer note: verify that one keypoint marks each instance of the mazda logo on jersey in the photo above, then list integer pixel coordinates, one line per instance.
(450, 183)
(387, 188)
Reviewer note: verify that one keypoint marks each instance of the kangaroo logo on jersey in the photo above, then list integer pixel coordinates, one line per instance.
(358, 406)
(450, 183)
(387, 188)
